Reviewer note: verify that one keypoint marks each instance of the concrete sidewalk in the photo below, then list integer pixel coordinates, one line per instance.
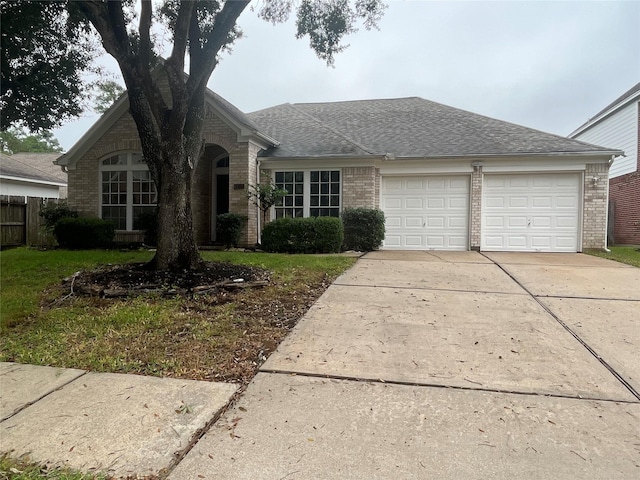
(119, 424)
(449, 366)
(412, 365)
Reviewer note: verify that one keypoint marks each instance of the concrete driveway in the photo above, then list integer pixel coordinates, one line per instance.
(447, 365)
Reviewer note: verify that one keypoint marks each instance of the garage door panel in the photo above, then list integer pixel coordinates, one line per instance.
(531, 212)
(566, 202)
(413, 222)
(542, 202)
(437, 203)
(414, 204)
(428, 212)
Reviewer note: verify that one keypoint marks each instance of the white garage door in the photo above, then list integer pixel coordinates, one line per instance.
(531, 213)
(428, 212)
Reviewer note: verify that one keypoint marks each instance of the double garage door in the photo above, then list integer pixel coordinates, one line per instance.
(529, 212)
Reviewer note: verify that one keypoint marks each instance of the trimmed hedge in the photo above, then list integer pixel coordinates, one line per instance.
(84, 233)
(229, 228)
(303, 235)
(363, 229)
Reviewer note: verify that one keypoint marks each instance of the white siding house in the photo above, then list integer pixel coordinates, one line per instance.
(618, 126)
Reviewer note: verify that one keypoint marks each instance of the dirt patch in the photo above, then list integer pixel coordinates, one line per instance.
(138, 279)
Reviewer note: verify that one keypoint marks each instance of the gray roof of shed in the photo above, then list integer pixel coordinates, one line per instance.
(33, 166)
(404, 127)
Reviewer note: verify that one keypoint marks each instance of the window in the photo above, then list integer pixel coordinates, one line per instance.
(314, 193)
(127, 190)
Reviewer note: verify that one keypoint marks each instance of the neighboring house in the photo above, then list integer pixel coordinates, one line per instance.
(32, 175)
(618, 125)
(445, 178)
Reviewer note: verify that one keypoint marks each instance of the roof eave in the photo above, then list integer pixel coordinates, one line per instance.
(602, 116)
(94, 133)
(32, 180)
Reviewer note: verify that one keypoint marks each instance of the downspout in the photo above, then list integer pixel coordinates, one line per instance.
(258, 208)
(606, 232)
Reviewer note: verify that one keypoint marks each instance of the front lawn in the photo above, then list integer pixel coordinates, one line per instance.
(220, 336)
(628, 255)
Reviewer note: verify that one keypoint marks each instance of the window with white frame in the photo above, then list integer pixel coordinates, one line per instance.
(127, 190)
(310, 193)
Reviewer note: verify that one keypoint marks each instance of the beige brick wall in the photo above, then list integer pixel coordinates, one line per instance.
(476, 208)
(594, 221)
(360, 187)
(84, 180)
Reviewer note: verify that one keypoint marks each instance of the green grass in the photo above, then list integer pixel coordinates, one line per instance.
(209, 337)
(25, 272)
(13, 469)
(628, 255)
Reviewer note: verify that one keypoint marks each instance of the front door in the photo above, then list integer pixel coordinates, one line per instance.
(222, 194)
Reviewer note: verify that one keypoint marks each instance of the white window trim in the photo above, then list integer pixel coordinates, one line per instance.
(306, 188)
(129, 167)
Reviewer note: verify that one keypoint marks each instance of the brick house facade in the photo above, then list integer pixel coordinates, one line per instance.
(424, 164)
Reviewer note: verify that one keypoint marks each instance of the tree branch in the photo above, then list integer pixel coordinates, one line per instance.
(146, 14)
(214, 41)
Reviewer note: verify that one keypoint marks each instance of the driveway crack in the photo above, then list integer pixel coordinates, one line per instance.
(595, 354)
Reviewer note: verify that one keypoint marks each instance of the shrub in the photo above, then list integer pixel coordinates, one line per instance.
(229, 228)
(363, 229)
(84, 233)
(51, 212)
(148, 221)
(303, 235)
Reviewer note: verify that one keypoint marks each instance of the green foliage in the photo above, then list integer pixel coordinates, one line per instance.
(326, 23)
(16, 140)
(52, 212)
(108, 92)
(265, 196)
(45, 51)
(84, 233)
(229, 228)
(363, 229)
(303, 235)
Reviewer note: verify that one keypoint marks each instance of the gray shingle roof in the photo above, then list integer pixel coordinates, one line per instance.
(33, 166)
(404, 127)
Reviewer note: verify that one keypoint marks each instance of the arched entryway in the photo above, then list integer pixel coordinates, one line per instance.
(211, 192)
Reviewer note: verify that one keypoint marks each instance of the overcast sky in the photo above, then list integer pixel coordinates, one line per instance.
(548, 65)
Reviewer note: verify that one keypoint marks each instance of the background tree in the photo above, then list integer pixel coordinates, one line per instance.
(264, 196)
(16, 140)
(45, 52)
(170, 128)
(108, 92)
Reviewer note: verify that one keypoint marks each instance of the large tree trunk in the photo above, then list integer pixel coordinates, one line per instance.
(177, 245)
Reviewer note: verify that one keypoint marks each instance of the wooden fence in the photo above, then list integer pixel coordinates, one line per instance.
(21, 223)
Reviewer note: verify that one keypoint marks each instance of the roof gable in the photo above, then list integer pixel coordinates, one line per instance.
(622, 101)
(229, 114)
(403, 127)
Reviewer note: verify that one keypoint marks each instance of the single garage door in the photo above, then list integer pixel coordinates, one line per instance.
(426, 212)
(531, 212)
